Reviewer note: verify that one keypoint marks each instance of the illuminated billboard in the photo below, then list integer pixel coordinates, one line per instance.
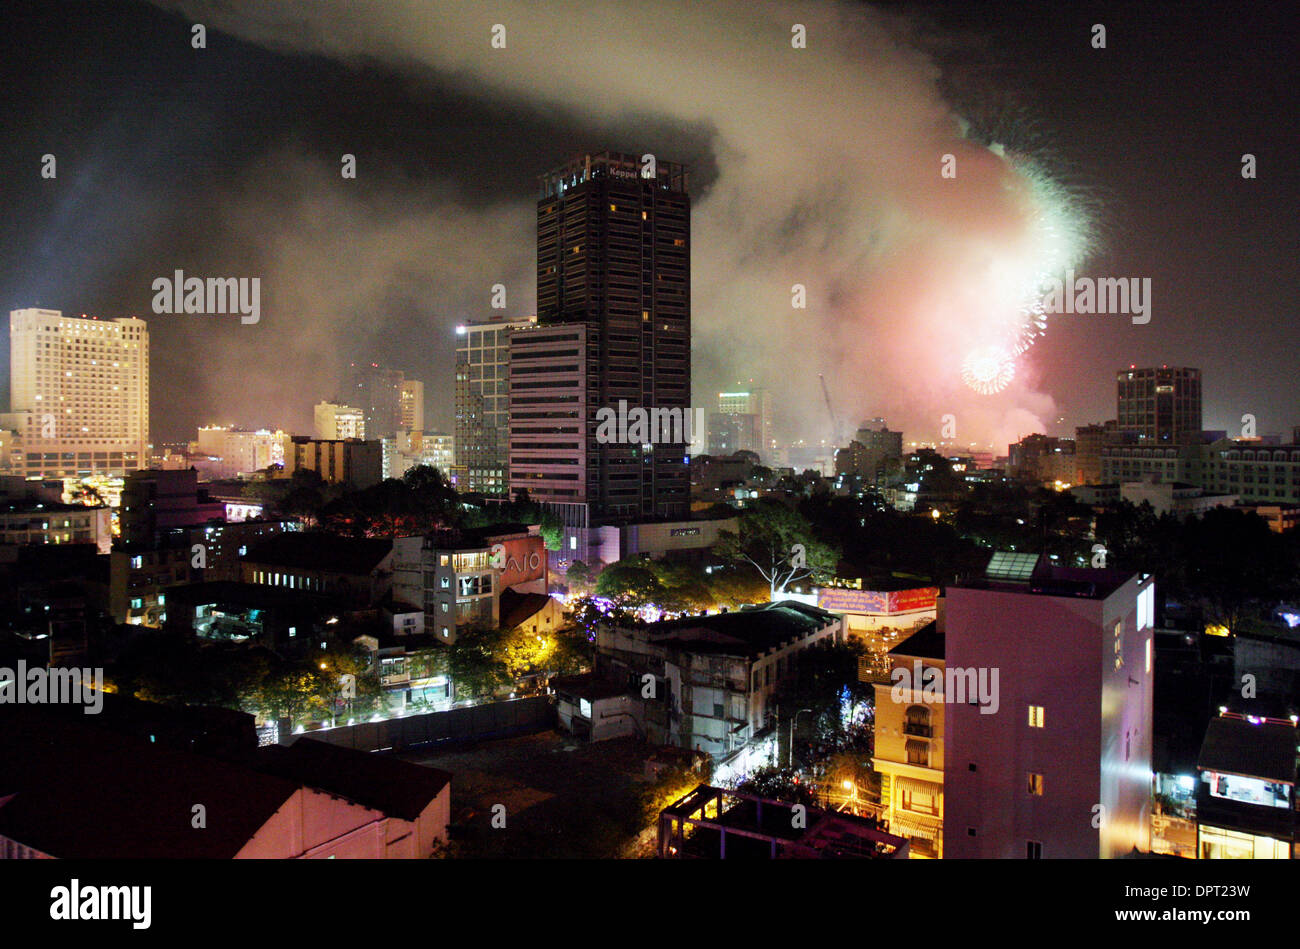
(877, 602)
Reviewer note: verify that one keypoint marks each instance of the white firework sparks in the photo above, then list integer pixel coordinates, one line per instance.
(988, 369)
(1057, 236)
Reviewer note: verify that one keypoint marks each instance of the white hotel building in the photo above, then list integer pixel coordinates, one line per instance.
(79, 394)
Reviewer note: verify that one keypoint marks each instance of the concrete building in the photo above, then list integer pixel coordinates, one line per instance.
(482, 430)
(220, 452)
(458, 578)
(308, 801)
(377, 391)
(49, 522)
(909, 742)
(1133, 462)
(345, 461)
(1254, 472)
(1245, 801)
(1161, 405)
(156, 503)
(614, 329)
(332, 421)
(1043, 460)
(407, 449)
(78, 394)
(358, 571)
(1062, 765)
(411, 398)
(717, 823)
(1089, 440)
(714, 676)
(881, 451)
(1175, 498)
(596, 709)
(743, 422)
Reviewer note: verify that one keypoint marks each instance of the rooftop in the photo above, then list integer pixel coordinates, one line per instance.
(925, 643)
(1236, 746)
(518, 608)
(75, 790)
(1011, 571)
(389, 785)
(321, 551)
(750, 631)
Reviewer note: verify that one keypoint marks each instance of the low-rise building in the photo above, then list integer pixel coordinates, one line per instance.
(717, 823)
(457, 577)
(49, 522)
(596, 709)
(1245, 802)
(310, 800)
(909, 743)
(356, 570)
(713, 676)
(349, 461)
(1177, 498)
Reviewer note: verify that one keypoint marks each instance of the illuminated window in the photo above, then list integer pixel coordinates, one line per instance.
(1035, 716)
(1148, 662)
(1035, 784)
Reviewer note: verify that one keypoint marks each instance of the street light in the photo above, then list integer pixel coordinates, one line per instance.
(793, 722)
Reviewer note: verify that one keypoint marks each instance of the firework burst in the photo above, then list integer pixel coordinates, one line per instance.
(1057, 235)
(988, 369)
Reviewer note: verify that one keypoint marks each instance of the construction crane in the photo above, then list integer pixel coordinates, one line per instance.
(835, 424)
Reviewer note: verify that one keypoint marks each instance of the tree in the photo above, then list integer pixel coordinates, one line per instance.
(579, 576)
(826, 682)
(1234, 564)
(629, 583)
(779, 544)
(476, 662)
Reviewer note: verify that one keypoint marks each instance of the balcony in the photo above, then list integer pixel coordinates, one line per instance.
(919, 730)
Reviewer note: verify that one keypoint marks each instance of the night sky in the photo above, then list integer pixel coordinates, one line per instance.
(816, 166)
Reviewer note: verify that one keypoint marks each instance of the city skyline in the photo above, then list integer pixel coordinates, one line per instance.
(379, 300)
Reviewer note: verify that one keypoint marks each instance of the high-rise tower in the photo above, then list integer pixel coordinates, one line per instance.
(614, 332)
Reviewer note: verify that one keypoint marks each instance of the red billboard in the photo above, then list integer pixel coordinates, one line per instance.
(520, 559)
(877, 602)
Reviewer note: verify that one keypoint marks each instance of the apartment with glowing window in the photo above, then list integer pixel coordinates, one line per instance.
(482, 431)
(613, 285)
(78, 394)
(332, 421)
(1245, 795)
(909, 742)
(1062, 767)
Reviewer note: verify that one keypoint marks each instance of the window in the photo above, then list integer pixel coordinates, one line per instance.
(972, 767)
(970, 831)
(1035, 716)
(1035, 784)
(137, 603)
(1148, 659)
(918, 752)
(137, 563)
(1033, 850)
